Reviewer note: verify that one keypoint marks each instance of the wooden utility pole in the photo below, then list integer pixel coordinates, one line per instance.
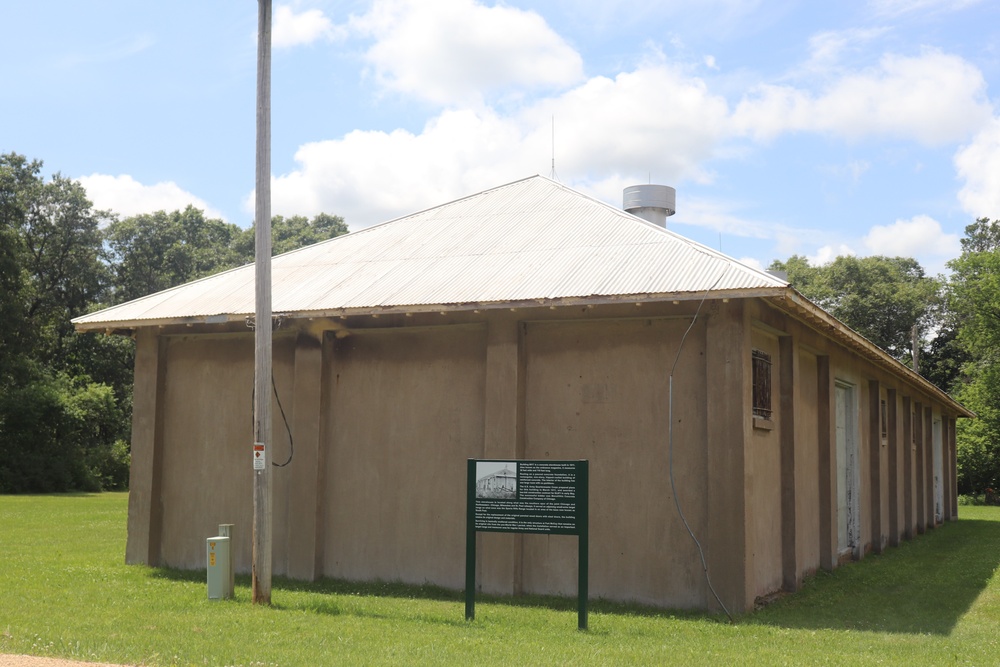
(261, 568)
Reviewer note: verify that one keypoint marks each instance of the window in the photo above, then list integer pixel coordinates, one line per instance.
(761, 384)
(885, 420)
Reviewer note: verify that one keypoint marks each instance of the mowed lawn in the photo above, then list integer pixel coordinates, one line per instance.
(64, 591)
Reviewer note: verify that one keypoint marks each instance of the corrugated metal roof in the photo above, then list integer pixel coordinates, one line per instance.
(531, 240)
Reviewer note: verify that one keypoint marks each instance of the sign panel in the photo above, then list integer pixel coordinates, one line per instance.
(528, 497)
(259, 460)
(545, 497)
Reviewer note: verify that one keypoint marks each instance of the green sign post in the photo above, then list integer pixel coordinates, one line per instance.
(546, 497)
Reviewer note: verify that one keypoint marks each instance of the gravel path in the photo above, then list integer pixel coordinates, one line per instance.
(32, 661)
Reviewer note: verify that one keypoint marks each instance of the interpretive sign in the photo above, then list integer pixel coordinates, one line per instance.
(546, 497)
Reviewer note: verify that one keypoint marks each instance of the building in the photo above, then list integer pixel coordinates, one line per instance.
(531, 322)
(499, 484)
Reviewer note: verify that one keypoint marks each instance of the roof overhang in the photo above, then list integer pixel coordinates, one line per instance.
(819, 320)
(127, 326)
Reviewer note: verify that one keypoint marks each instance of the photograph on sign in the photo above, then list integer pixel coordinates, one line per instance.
(496, 479)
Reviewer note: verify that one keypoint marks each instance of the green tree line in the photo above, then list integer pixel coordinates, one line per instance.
(951, 325)
(66, 398)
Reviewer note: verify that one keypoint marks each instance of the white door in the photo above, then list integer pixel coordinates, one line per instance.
(848, 500)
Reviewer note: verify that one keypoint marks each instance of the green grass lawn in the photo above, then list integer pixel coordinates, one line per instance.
(64, 591)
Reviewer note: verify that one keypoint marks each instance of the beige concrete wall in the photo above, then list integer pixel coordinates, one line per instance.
(207, 435)
(385, 418)
(763, 486)
(599, 391)
(405, 412)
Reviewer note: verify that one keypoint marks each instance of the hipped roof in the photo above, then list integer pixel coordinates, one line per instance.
(533, 240)
(530, 242)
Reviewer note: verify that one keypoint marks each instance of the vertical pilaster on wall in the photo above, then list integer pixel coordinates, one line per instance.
(893, 466)
(918, 464)
(304, 472)
(953, 459)
(827, 437)
(727, 374)
(946, 467)
(327, 382)
(875, 463)
(789, 380)
(500, 553)
(908, 435)
(145, 509)
(929, 467)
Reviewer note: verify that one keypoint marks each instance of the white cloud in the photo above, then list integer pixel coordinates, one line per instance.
(453, 51)
(828, 253)
(457, 153)
(608, 133)
(752, 262)
(934, 98)
(920, 236)
(827, 48)
(978, 165)
(126, 196)
(290, 29)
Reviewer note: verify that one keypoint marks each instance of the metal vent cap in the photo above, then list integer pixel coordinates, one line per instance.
(653, 203)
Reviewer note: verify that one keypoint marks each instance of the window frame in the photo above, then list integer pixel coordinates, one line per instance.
(762, 397)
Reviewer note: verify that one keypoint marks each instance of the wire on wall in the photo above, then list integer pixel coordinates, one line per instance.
(276, 322)
(670, 446)
(288, 429)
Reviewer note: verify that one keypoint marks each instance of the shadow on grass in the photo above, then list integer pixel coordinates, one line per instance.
(334, 590)
(921, 586)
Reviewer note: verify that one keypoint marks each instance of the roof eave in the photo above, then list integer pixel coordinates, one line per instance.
(591, 300)
(818, 319)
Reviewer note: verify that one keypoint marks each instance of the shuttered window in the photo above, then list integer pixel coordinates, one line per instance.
(761, 384)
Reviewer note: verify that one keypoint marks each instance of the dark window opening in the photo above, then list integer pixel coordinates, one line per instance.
(885, 420)
(761, 384)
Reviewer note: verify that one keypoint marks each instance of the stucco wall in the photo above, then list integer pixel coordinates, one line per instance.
(404, 415)
(385, 412)
(599, 391)
(207, 430)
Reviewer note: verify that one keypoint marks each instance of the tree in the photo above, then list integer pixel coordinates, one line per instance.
(16, 174)
(295, 232)
(882, 298)
(151, 252)
(57, 428)
(974, 297)
(65, 399)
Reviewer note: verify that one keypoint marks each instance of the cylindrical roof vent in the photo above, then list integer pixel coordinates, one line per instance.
(653, 203)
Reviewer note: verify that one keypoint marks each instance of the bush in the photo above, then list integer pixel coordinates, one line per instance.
(57, 435)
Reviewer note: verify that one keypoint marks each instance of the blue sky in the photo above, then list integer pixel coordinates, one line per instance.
(787, 127)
